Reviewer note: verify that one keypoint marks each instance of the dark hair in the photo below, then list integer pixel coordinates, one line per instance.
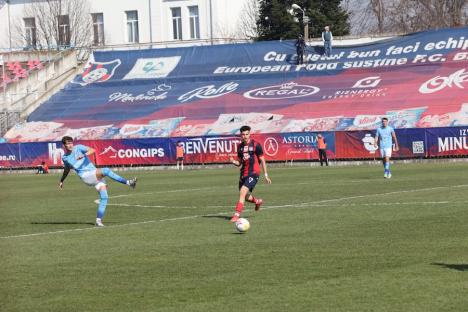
(66, 139)
(244, 128)
(384, 118)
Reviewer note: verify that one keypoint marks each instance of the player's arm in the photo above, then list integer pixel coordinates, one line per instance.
(376, 139)
(87, 151)
(234, 162)
(66, 171)
(264, 167)
(395, 140)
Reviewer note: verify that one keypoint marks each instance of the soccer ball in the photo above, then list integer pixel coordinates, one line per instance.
(242, 225)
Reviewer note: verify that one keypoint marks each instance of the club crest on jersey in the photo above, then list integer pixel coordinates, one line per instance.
(97, 72)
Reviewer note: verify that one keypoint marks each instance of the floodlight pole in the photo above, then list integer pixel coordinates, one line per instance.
(305, 20)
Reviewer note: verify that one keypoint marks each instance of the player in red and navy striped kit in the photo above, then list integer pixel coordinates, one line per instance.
(250, 156)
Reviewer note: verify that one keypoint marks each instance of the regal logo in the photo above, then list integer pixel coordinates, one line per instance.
(284, 91)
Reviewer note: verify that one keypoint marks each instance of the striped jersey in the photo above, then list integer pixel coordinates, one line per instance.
(249, 158)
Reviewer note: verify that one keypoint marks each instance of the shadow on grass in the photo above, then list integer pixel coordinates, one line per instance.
(217, 217)
(457, 267)
(63, 222)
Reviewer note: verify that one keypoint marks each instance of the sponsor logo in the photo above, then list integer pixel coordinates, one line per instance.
(208, 92)
(150, 68)
(7, 157)
(368, 82)
(155, 94)
(418, 147)
(300, 144)
(284, 91)
(369, 141)
(55, 153)
(214, 145)
(123, 153)
(111, 151)
(97, 72)
(271, 146)
(363, 88)
(457, 79)
(449, 144)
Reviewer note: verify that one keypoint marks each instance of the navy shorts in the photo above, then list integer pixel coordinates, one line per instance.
(249, 182)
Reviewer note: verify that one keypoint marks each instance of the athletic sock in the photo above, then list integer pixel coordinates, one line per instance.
(102, 203)
(387, 166)
(252, 199)
(239, 208)
(109, 173)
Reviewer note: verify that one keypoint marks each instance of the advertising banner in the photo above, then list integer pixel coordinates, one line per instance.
(447, 141)
(431, 142)
(360, 144)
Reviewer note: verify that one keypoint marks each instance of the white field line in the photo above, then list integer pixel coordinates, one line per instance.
(208, 188)
(221, 213)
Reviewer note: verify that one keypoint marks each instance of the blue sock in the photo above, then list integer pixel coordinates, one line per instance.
(387, 166)
(109, 173)
(102, 203)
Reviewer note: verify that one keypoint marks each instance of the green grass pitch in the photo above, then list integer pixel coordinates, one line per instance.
(326, 239)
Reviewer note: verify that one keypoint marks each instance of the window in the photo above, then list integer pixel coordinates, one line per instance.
(30, 32)
(64, 30)
(194, 22)
(177, 23)
(132, 26)
(98, 28)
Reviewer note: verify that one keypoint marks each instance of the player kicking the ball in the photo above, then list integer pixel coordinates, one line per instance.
(76, 157)
(250, 155)
(386, 133)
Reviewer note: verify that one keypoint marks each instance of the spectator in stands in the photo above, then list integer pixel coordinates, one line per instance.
(322, 149)
(327, 38)
(300, 47)
(43, 168)
(180, 155)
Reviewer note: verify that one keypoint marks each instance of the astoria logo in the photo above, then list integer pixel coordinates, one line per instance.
(284, 91)
(457, 79)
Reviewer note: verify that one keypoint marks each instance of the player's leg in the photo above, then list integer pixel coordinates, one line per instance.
(177, 164)
(384, 161)
(182, 164)
(240, 204)
(106, 172)
(389, 174)
(325, 157)
(103, 198)
(250, 183)
(321, 157)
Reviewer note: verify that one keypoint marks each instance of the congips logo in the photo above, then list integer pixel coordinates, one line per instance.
(133, 152)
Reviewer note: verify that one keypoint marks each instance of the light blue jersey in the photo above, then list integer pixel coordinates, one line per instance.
(385, 137)
(80, 165)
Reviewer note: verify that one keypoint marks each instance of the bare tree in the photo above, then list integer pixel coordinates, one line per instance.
(248, 24)
(408, 15)
(57, 23)
(378, 9)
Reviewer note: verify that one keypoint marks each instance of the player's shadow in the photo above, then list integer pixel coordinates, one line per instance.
(63, 222)
(457, 267)
(217, 217)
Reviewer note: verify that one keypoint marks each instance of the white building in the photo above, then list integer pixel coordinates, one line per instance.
(116, 22)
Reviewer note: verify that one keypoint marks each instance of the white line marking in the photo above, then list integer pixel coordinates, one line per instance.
(221, 213)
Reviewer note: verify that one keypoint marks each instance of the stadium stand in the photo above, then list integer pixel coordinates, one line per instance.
(418, 81)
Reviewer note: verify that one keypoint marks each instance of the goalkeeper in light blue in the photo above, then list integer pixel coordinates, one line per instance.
(77, 158)
(385, 134)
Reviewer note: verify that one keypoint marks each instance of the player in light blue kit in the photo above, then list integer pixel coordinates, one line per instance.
(385, 134)
(76, 157)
